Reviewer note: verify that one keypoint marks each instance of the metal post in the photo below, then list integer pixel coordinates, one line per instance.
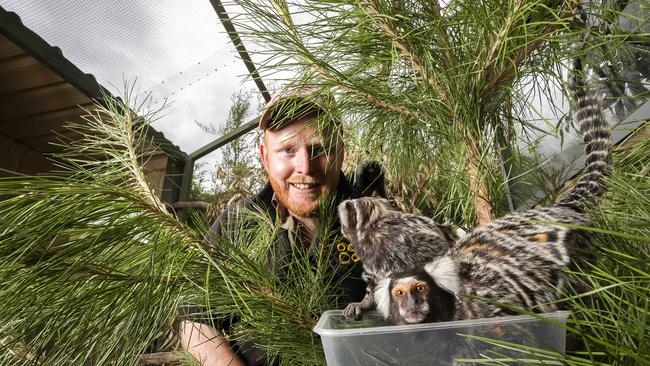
(188, 170)
(239, 45)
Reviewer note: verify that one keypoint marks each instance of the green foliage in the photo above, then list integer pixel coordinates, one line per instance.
(93, 268)
(614, 320)
(277, 301)
(610, 321)
(239, 172)
(446, 97)
(91, 264)
(440, 94)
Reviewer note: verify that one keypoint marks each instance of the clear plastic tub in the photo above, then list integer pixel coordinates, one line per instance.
(372, 342)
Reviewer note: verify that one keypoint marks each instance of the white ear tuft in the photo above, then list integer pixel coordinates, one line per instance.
(460, 233)
(382, 297)
(444, 273)
(343, 213)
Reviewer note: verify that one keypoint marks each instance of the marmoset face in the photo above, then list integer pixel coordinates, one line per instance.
(410, 294)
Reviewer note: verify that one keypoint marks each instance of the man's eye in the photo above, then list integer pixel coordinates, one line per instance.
(288, 150)
(317, 150)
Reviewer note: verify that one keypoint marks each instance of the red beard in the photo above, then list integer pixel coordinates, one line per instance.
(303, 209)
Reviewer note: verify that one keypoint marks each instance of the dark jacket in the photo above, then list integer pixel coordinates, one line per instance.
(352, 287)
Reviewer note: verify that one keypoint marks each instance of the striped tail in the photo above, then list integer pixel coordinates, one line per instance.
(596, 135)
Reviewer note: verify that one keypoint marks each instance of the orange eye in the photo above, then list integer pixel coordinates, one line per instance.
(420, 288)
(398, 293)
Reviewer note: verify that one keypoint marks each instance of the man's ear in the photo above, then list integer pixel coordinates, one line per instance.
(264, 156)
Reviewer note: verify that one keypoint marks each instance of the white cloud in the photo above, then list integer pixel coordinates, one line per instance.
(175, 50)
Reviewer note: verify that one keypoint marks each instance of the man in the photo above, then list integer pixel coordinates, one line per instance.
(304, 169)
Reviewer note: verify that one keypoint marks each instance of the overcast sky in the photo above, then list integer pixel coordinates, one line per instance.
(176, 50)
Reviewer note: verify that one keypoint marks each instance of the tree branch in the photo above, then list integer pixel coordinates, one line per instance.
(500, 37)
(368, 98)
(161, 358)
(372, 8)
(524, 52)
(482, 198)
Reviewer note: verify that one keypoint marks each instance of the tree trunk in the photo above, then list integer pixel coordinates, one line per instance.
(161, 358)
(482, 199)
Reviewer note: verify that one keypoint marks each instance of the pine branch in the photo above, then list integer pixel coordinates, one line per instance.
(506, 72)
(90, 261)
(502, 36)
(382, 22)
(366, 97)
(162, 358)
(282, 9)
(482, 200)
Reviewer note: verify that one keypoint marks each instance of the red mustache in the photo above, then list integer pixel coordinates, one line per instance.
(303, 180)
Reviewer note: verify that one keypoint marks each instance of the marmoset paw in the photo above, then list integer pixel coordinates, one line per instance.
(353, 311)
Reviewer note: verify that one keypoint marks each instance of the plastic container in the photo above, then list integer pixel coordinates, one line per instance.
(372, 342)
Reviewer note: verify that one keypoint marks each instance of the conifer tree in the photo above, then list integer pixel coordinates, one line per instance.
(93, 267)
(238, 172)
(440, 91)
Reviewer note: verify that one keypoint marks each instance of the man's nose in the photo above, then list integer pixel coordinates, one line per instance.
(303, 161)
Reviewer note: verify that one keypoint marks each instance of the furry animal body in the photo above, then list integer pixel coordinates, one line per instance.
(369, 179)
(389, 241)
(519, 260)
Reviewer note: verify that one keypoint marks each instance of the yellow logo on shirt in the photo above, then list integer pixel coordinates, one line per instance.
(347, 254)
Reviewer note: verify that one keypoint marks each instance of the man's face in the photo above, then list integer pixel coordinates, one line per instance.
(302, 165)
